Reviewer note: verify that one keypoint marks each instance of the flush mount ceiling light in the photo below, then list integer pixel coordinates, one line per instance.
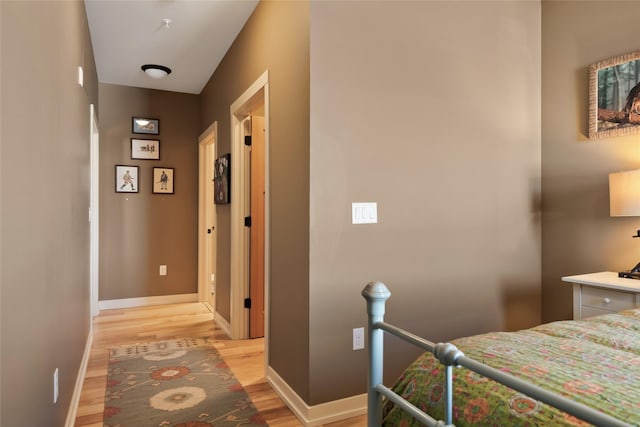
(156, 71)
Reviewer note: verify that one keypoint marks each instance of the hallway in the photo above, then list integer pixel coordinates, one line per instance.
(155, 323)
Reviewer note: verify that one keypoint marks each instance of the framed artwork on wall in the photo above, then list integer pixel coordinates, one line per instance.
(126, 179)
(163, 180)
(145, 149)
(221, 180)
(145, 126)
(614, 96)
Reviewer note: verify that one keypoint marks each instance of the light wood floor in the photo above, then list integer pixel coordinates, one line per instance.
(127, 326)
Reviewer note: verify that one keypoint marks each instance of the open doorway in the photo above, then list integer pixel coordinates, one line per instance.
(207, 218)
(250, 212)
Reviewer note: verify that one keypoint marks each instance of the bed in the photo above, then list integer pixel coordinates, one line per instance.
(588, 370)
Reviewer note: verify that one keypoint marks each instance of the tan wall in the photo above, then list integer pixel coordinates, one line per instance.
(44, 194)
(140, 231)
(276, 38)
(578, 234)
(439, 124)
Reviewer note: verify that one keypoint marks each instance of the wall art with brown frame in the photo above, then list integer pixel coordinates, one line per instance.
(163, 179)
(614, 96)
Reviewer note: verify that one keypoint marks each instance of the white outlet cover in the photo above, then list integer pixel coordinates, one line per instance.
(358, 338)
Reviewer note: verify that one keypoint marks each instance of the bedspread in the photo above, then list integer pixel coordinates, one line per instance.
(595, 362)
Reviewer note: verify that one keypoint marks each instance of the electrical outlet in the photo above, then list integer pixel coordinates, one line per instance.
(55, 385)
(163, 270)
(358, 338)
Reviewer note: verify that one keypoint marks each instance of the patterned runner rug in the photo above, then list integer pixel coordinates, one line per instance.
(177, 383)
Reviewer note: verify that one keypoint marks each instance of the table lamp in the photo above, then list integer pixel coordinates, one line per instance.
(624, 200)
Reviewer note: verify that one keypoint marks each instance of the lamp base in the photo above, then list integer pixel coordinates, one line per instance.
(634, 273)
(629, 275)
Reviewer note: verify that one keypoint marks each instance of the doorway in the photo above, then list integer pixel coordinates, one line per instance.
(207, 218)
(250, 212)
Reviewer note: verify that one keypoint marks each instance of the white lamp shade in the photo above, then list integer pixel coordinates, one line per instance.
(624, 193)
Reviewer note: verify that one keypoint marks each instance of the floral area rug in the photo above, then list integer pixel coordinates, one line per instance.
(177, 383)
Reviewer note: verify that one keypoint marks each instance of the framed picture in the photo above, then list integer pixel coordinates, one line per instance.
(614, 96)
(146, 149)
(221, 180)
(163, 180)
(126, 179)
(147, 126)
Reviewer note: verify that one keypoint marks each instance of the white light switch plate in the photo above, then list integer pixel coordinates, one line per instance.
(364, 213)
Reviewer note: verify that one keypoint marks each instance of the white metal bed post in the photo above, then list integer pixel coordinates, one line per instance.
(376, 294)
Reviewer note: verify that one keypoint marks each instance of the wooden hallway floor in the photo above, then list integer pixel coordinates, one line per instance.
(156, 323)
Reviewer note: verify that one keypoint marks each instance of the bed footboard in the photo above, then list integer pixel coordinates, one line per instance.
(376, 294)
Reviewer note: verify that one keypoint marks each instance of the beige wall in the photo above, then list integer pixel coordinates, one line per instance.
(44, 194)
(440, 125)
(578, 234)
(140, 231)
(276, 38)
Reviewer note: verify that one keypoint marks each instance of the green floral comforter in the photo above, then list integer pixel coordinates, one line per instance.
(594, 361)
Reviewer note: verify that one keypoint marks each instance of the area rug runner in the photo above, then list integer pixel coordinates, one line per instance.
(177, 383)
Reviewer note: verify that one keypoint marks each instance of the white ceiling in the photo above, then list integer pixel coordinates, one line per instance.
(127, 34)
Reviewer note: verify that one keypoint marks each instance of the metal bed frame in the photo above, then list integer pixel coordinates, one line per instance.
(376, 294)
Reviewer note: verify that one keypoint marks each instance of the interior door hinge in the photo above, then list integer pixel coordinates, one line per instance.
(247, 140)
(247, 221)
(247, 303)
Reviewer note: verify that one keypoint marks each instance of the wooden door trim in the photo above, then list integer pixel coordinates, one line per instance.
(94, 216)
(239, 321)
(207, 138)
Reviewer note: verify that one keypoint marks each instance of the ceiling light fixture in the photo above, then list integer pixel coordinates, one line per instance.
(156, 71)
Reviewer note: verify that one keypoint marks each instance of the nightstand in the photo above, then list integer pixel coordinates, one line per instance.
(601, 293)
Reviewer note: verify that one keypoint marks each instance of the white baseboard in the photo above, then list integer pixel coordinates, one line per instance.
(317, 415)
(77, 389)
(222, 323)
(111, 304)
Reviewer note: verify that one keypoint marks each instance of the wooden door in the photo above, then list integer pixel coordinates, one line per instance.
(256, 252)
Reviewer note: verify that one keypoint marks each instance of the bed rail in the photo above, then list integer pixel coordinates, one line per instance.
(376, 294)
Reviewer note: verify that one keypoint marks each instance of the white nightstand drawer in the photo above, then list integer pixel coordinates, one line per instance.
(607, 299)
(587, 312)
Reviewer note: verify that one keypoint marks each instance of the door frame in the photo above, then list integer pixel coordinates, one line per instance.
(206, 155)
(239, 110)
(94, 215)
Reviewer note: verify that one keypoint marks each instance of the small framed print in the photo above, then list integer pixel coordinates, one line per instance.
(126, 179)
(163, 179)
(145, 149)
(222, 180)
(146, 126)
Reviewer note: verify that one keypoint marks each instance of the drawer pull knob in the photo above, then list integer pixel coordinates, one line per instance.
(606, 300)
